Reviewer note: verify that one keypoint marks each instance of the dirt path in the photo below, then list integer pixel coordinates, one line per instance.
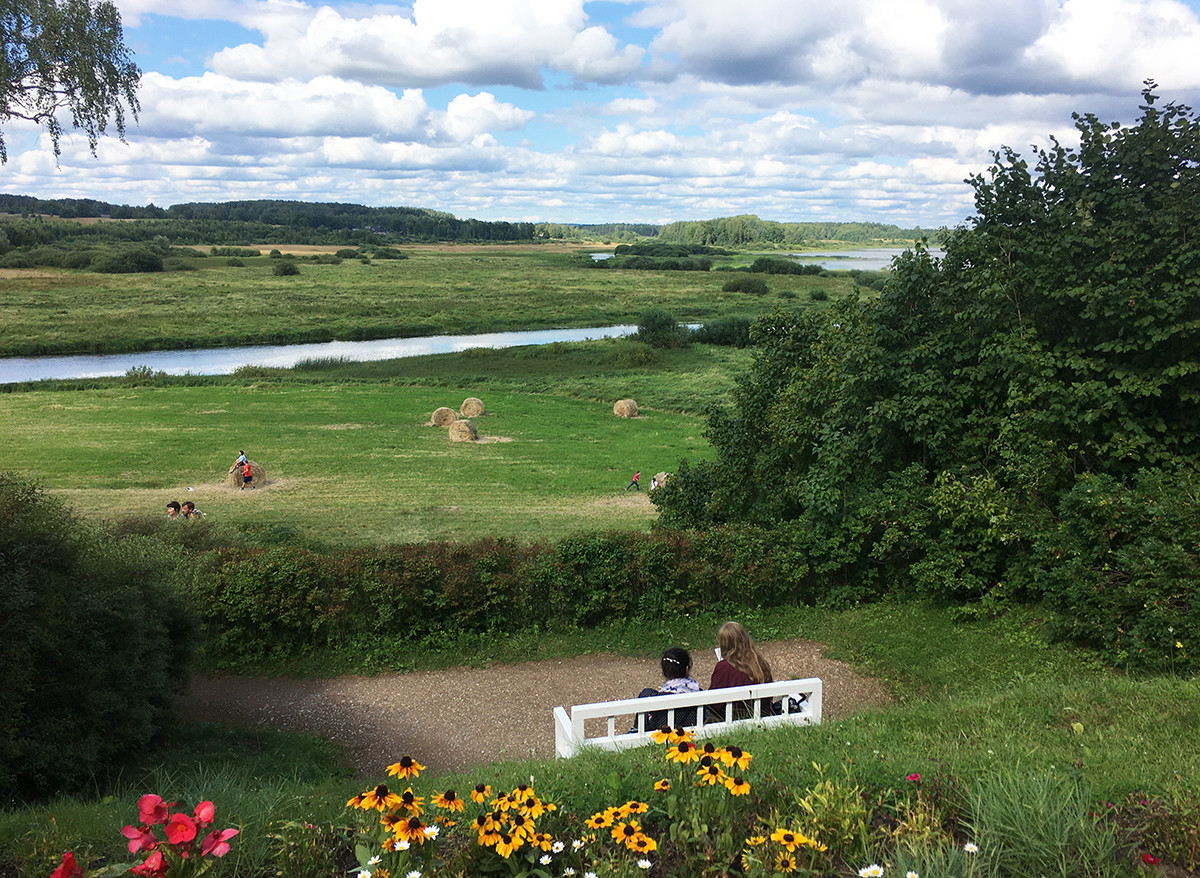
(460, 718)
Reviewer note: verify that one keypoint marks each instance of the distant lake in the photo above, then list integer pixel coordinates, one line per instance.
(224, 361)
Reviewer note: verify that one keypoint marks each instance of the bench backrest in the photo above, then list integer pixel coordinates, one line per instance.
(737, 706)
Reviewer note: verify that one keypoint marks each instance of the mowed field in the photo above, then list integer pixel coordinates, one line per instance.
(347, 464)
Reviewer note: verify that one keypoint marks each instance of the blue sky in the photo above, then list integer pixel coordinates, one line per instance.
(638, 111)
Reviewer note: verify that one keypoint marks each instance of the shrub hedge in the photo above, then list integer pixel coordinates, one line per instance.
(273, 603)
(93, 643)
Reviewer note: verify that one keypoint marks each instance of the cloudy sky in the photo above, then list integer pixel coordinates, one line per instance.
(641, 110)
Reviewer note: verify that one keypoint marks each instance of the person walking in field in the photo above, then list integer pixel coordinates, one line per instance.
(634, 483)
(247, 477)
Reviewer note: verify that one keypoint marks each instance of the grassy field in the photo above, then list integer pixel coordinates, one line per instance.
(351, 458)
(442, 290)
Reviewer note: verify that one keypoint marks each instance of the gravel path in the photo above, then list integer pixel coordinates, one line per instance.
(461, 718)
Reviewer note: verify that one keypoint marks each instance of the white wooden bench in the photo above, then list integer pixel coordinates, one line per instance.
(570, 735)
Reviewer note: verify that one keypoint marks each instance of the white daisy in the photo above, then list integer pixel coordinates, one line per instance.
(971, 848)
(644, 864)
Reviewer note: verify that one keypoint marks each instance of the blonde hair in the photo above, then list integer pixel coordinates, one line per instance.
(739, 651)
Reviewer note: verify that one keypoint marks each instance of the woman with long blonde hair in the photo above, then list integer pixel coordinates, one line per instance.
(741, 664)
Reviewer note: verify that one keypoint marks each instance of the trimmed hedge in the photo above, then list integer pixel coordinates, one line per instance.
(276, 603)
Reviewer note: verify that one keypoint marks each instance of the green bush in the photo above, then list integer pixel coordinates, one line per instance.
(129, 260)
(285, 268)
(346, 253)
(93, 644)
(728, 331)
(236, 251)
(775, 265)
(755, 286)
(1121, 566)
(659, 329)
(388, 253)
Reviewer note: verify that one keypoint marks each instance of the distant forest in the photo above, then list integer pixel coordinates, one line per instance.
(299, 222)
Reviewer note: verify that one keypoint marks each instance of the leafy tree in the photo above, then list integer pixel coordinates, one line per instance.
(934, 436)
(66, 55)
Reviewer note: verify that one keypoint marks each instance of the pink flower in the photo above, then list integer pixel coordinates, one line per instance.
(181, 829)
(1150, 860)
(152, 810)
(68, 869)
(203, 814)
(914, 777)
(217, 843)
(140, 838)
(154, 865)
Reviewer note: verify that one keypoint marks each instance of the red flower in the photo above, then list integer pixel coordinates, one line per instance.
(68, 869)
(204, 813)
(181, 829)
(152, 810)
(154, 865)
(140, 838)
(217, 843)
(1150, 860)
(914, 777)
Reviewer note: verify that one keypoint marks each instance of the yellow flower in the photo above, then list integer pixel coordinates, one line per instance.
(504, 802)
(508, 843)
(519, 824)
(662, 786)
(641, 844)
(683, 752)
(532, 806)
(755, 840)
(487, 829)
(407, 767)
(411, 830)
(735, 757)
(599, 820)
(737, 786)
(542, 840)
(626, 830)
(448, 801)
(1178, 645)
(711, 775)
(787, 838)
(635, 807)
(481, 793)
(670, 736)
(411, 802)
(380, 798)
(785, 862)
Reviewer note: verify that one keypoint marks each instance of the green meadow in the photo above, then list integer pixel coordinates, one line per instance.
(437, 290)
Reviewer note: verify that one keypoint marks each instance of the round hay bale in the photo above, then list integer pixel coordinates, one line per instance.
(471, 407)
(234, 477)
(625, 408)
(444, 416)
(661, 478)
(463, 431)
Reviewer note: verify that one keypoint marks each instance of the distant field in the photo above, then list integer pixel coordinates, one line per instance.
(355, 462)
(439, 289)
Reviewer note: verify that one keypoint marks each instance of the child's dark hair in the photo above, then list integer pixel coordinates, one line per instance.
(676, 662)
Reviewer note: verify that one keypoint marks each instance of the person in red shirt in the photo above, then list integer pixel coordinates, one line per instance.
(741, 664)
(247, 477)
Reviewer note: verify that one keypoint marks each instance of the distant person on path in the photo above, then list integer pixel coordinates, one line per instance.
(634, 483)
(676, 664)
(247, 477)
(740, 664)
(173, 510)
(653, 483)
(188, 510)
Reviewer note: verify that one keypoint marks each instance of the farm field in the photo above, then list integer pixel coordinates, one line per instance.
(437, 290)
(350, 456)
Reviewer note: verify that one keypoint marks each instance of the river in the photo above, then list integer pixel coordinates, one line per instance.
(223, 361)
